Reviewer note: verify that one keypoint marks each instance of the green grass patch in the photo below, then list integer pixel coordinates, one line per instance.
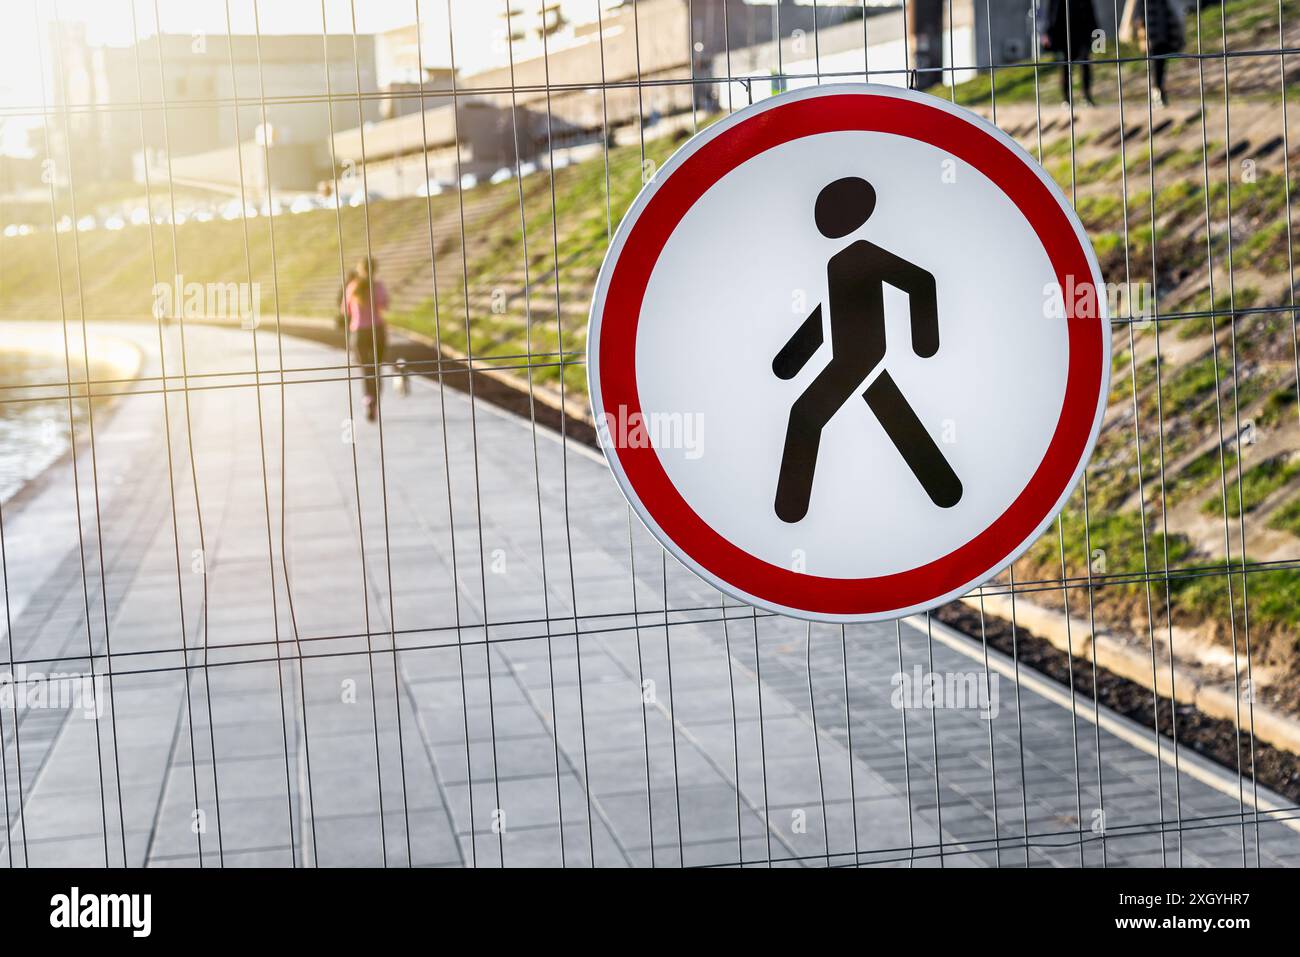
(1287, 518)
(1257, 483)
(1198, 473)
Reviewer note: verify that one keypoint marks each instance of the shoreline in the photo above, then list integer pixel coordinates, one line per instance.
(62, 342)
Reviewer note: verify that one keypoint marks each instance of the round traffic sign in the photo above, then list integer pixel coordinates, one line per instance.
(848, 352)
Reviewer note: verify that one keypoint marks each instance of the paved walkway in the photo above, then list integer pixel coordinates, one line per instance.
(285, 567)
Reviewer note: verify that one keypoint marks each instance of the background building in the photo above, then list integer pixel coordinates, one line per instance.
(199, 78)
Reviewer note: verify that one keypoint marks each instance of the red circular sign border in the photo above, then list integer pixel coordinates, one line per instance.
(677, 193)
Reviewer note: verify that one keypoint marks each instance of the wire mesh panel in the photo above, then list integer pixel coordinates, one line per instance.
(310, 554)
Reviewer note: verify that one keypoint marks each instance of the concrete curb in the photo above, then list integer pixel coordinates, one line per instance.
(499, 387)
(1186, 759)
(547, 395)
(1120, 656)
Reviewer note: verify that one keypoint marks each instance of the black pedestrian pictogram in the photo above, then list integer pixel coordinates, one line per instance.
(856, 276)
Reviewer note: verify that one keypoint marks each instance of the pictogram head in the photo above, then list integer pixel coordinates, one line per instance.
(844, 205)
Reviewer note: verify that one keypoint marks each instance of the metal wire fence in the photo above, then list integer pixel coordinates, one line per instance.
(300, 638)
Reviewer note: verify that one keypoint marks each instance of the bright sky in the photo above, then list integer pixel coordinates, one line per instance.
(479, 32)
(479, 26)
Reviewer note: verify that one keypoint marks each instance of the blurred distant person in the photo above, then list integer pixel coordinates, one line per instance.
(364, 301)
(1159, 29)
(1067, 27)
(341, 317)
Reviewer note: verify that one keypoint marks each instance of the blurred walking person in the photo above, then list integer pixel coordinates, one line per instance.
(341, 317)
(1158, 27)
(1066, 29)
(364, 302)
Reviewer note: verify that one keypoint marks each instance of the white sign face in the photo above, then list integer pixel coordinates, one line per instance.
(849, 352)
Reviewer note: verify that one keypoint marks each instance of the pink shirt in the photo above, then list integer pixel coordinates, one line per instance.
(358, 307)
